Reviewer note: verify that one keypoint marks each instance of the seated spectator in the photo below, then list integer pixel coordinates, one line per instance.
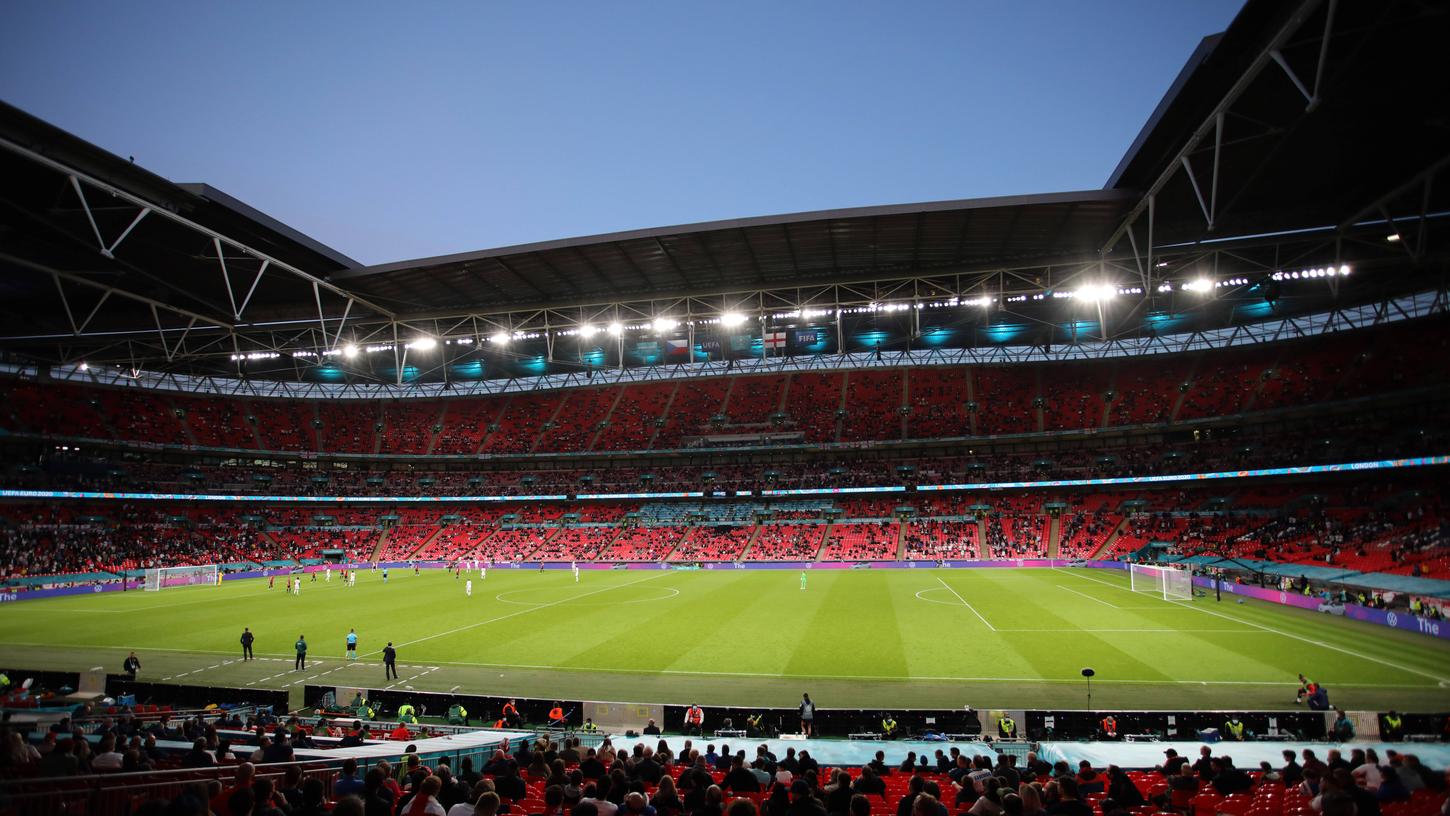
(198, 757)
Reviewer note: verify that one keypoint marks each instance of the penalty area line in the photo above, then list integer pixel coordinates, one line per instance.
(1186, 605)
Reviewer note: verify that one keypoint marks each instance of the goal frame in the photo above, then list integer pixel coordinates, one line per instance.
(159, 578)
(1169, 583)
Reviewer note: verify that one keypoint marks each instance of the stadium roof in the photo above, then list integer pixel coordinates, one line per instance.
(748, 253)
(1304, 134)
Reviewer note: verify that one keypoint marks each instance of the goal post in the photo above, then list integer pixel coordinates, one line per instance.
(160, 578)
(1169, 583)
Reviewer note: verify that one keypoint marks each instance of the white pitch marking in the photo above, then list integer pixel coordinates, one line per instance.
(967, 605)
(1301, 638)
(523, 612)
(1089, 597)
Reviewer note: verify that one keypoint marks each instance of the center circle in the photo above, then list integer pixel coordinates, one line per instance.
(921, 596)
(660, 594)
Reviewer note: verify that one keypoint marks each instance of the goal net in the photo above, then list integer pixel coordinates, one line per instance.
(1172, 584)
(164, 577)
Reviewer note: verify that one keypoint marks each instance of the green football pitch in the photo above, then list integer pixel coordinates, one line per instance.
(905, 638)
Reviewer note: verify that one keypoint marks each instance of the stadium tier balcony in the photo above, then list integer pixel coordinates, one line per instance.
(643, 544)
(402, 541)
(465, 424)
(407, 426)
(787, 542)
(575, 544)
(1084, 533)
(860, 405)
(1005, 400)
(873, 403)
(521, 422)
(811, 403)
(349, 427)
(631, 425)
(691, 410)
(937, 398)
(714, 543)
(285, 425)
(577, 421)
(218, 423)
(871, 541)
(754, 400)
(941, 540)
(1072, 398)
(1146, 391)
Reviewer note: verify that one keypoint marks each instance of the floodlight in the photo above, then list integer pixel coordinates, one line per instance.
(732, 319)
(349, 351)
(616, 328)
(663, 324)
(423, 344)
(500, 338)
(1201, 285)
(1095, 292)
(587, 331)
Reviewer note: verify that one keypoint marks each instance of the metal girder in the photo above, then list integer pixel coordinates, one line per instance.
(76, 177)
(1214, 121)
(1422, 304)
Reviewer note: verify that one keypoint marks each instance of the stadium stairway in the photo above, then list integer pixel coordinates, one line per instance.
(424, 543)
(825, 540)
(1110, 540)
(604, 421)
(1054, 536)
(664, 417)
(382, 544)
(750, 544)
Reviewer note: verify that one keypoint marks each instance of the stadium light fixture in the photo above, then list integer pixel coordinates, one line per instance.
(663, 324)
(499, 338)
(349, 351)
(423, 344)
(85, 367)
(1096, 292)
(616, 328)
(732, 319)
(1201, 286)
(588, 330)
(1393, 237)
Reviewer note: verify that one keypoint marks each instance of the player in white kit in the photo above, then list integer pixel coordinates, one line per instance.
(468, 588)
(575, 565)
(327, 573)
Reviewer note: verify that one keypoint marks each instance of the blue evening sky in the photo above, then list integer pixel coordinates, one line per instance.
(401, 130)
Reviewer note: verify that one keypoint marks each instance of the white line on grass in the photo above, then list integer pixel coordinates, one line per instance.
(1089, 597)
(905, 678)
(523, 612)
(1301, 638)
(967, 605)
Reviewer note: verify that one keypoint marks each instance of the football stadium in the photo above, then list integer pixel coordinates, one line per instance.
(1122, 501)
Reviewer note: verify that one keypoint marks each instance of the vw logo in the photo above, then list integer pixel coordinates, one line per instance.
(1391, 618)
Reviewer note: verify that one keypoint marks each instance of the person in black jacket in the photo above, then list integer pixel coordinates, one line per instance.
(738, 779)
(131, 665)
(390, 662)
(247, 639)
